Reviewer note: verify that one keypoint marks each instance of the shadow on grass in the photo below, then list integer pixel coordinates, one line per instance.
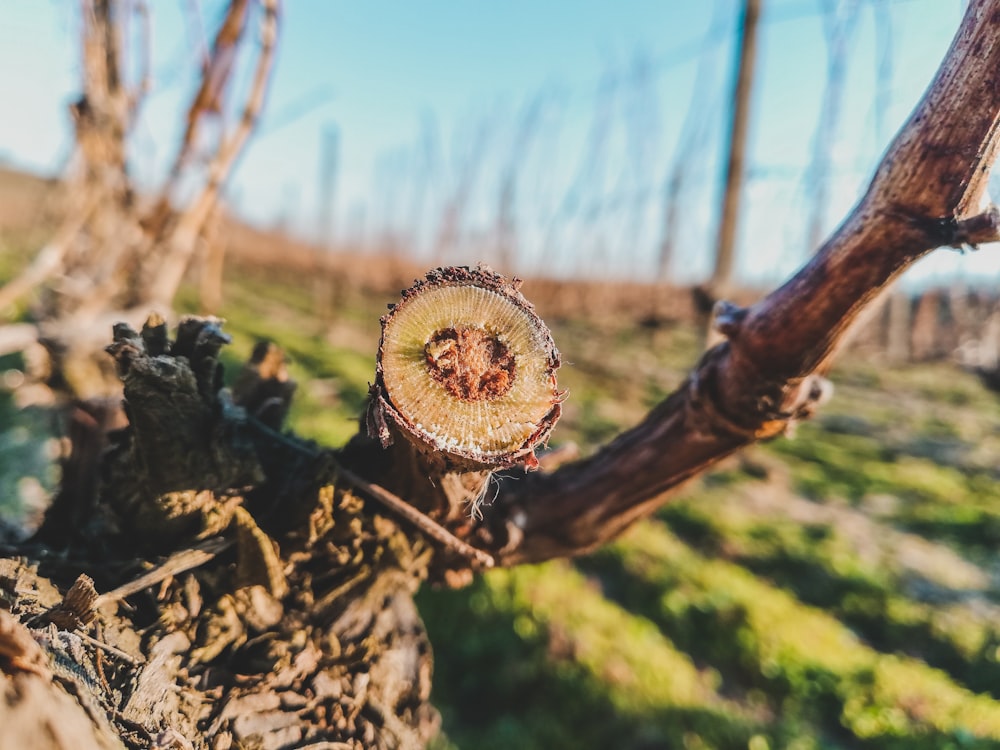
(844, 697)
(503, 682)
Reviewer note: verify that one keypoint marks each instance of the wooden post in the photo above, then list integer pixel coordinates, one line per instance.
(742, 87)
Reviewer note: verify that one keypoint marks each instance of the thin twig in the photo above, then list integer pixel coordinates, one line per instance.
(108, 647)
(189, 226)
(395, 503)
(424, 523)
(179, 562)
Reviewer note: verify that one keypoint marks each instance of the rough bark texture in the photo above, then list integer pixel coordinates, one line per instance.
(281, 612)
(268, 587)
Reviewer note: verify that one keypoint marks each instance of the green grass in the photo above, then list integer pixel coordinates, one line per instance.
(812, 667)
(822, 566)
(953, 503)
(539, 658)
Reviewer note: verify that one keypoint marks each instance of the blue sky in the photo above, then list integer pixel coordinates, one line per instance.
(415, 88)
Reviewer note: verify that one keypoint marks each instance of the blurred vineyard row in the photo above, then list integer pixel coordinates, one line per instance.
(836, 590)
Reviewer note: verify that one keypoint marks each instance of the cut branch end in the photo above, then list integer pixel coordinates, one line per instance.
(466, 370)
(978, 229)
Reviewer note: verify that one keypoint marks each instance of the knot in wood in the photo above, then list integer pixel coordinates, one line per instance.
(471, 363)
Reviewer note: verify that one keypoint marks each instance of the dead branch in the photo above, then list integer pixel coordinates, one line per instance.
(111, 257)
(177, 563)
(164, 282)
(50, 259)
(216, 73)
(928, 192)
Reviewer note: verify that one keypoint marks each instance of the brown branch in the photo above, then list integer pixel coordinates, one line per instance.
(185, 235)
(975, 230)
(216, 73)
(50, 260)
(928, 192)
(425, 524)
(177, 563)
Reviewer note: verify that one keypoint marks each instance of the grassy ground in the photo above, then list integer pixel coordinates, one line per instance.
(835, 590)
